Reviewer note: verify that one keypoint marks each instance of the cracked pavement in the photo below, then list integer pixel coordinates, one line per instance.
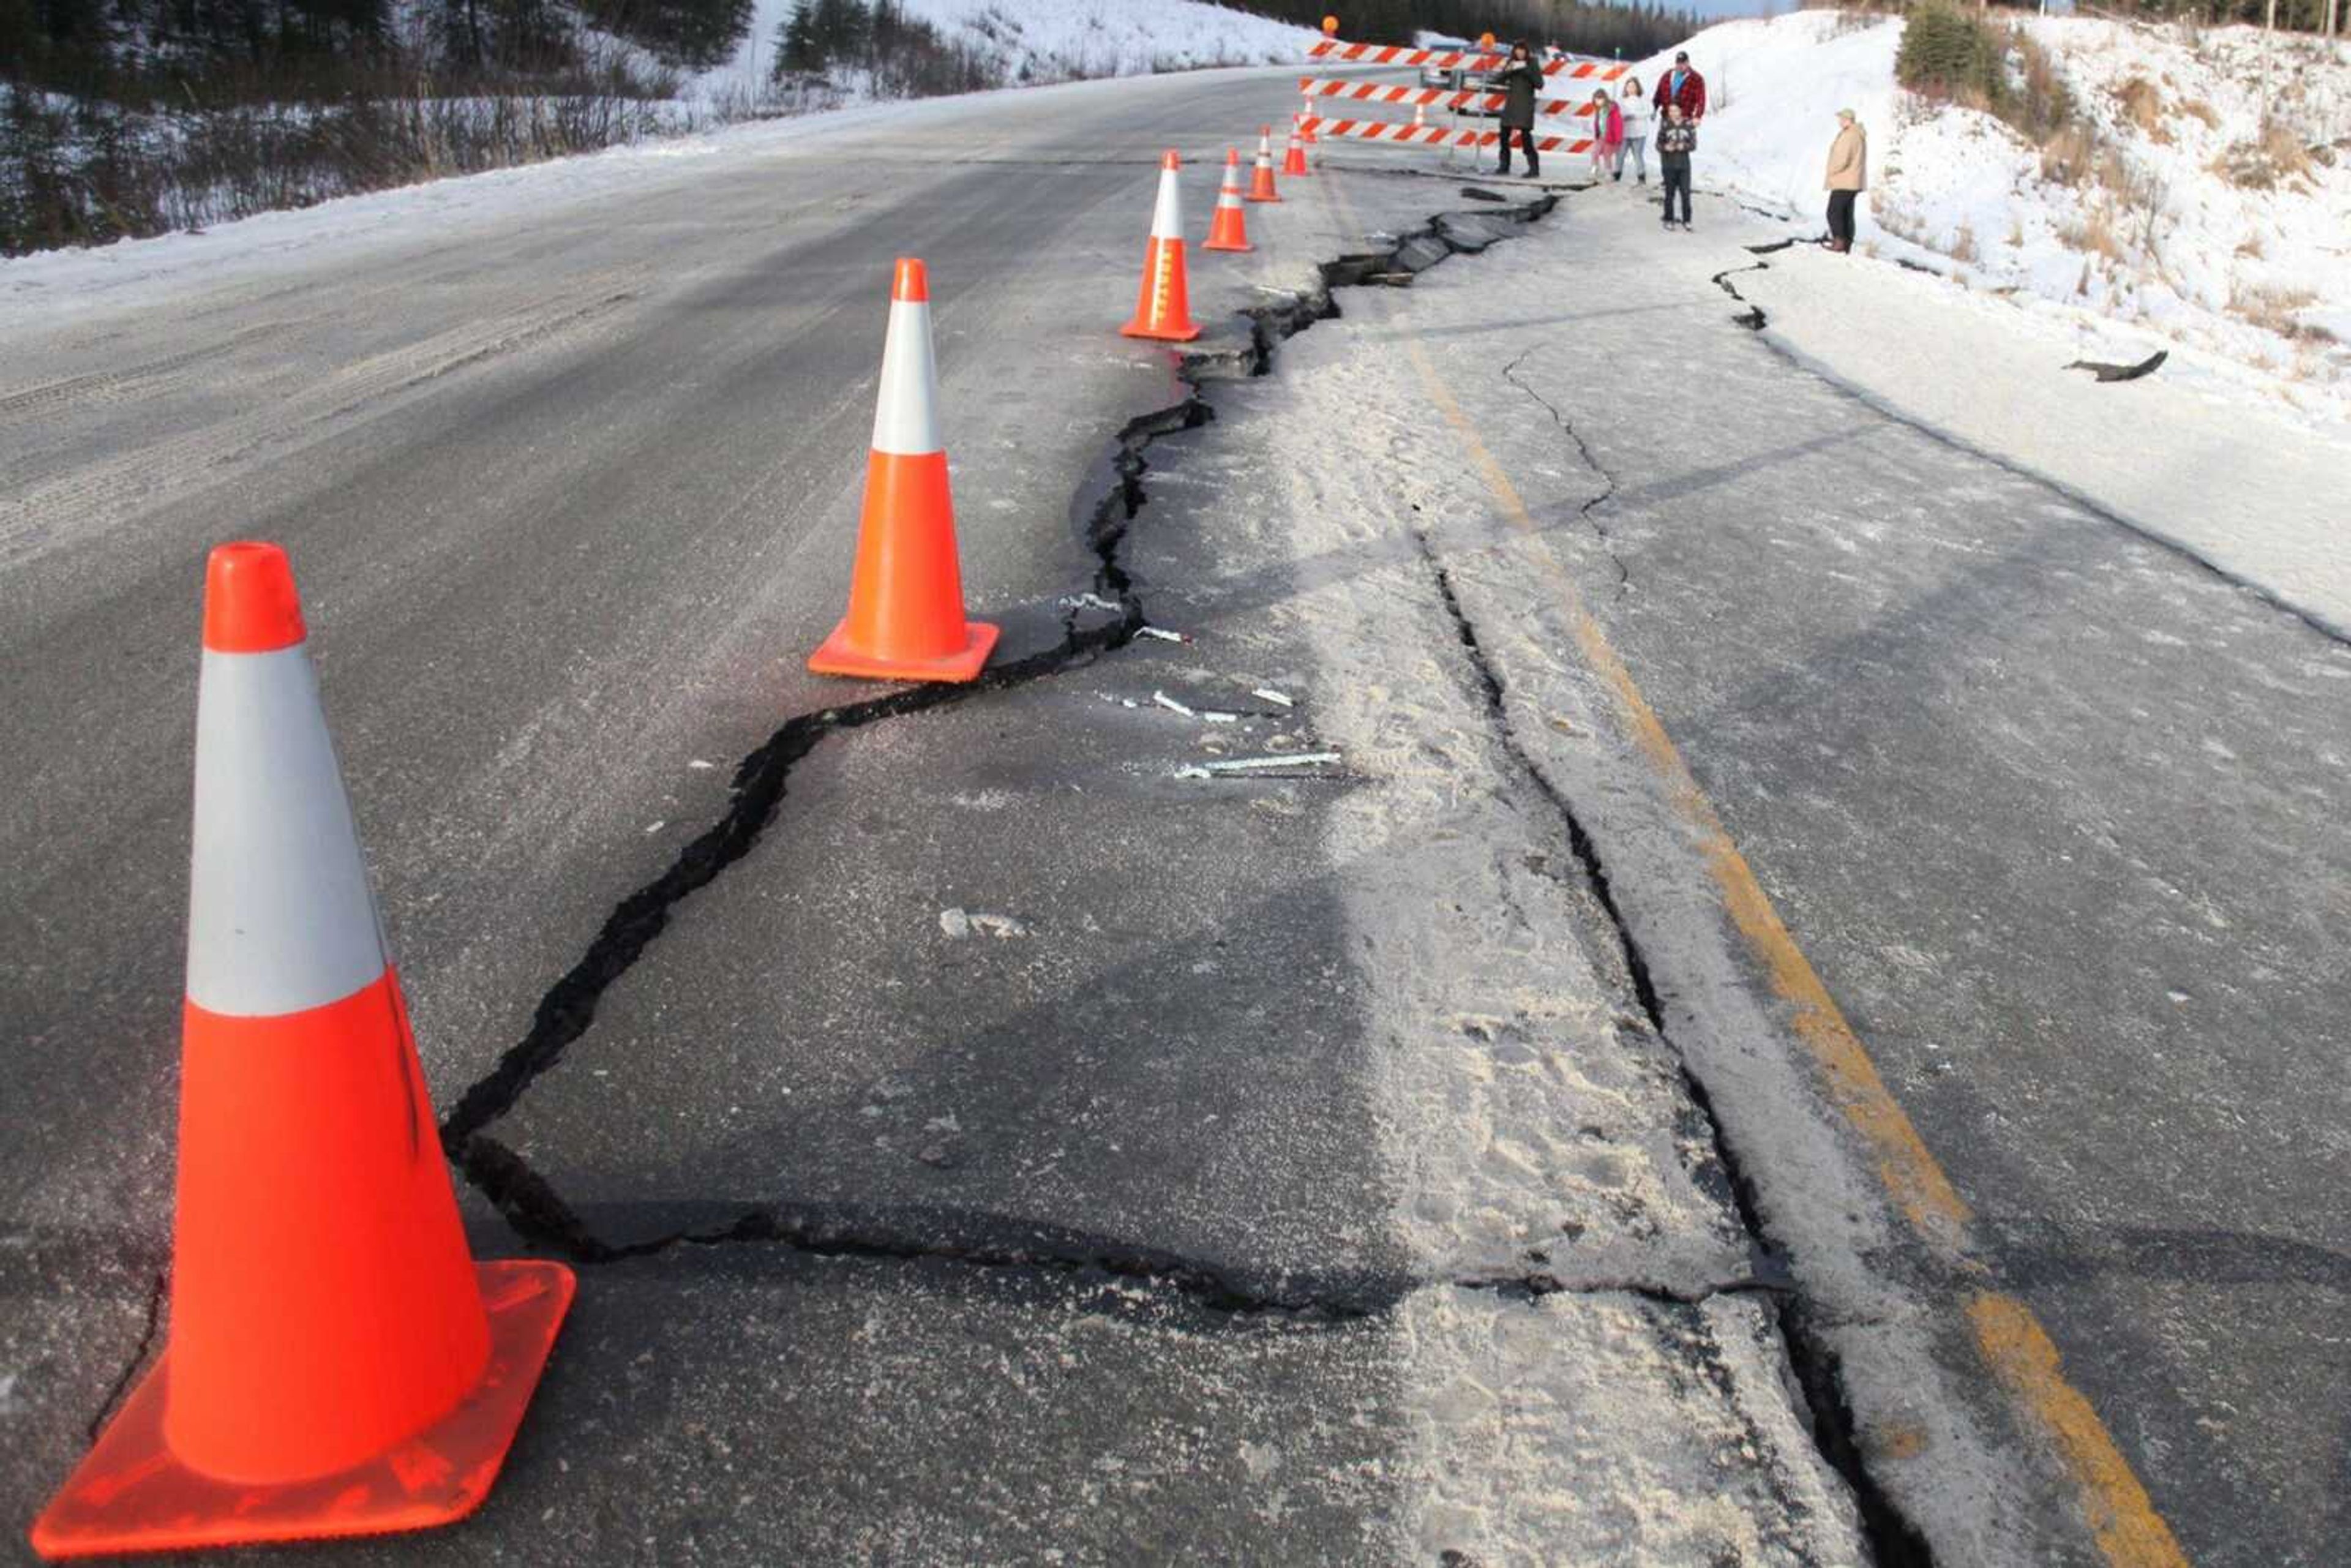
(1294, 1172)
(983, 1137)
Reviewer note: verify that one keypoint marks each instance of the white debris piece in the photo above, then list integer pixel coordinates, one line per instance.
(959, 924)
(1161, 632)
(1245, 764)
(1252, 764)
(1269, 694)
(657, 826)
(1089, 601)
(699, 766)
(1213, 717)
(1171, 705)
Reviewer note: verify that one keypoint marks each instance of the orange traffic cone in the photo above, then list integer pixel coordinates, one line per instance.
(1293, 163)
(1164, 308)
(338, 1364)
(906, 620)
(1306, 122)
(1229, 229)
(1261, 181)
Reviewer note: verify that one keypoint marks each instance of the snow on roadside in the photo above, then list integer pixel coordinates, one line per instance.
(1053, 40)
(42, 288)
(2168, 251)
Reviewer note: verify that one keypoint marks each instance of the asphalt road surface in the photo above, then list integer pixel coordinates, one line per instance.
(2057, 811)
(1084, 1239)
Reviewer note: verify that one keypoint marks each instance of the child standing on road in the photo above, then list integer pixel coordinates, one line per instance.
(1607, 132)
(1633, 107)
(1677, 139)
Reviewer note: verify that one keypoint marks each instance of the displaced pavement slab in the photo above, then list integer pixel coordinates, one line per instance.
(2053, 809)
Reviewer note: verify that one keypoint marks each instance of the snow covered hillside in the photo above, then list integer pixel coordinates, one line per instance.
(2168, 207)
(1056, 40)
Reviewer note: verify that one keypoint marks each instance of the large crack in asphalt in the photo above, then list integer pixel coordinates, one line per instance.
(540, 1215)
(1752, 318)
(1108, 504)
(1607, 491)
(1894, 1542)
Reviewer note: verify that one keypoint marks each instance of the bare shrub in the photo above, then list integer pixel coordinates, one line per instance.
(2272, 308)
(2070, 155)
(2037, 104)
(2201, 110)
(1963, 244)
(2277, 158)
(2093, 235)
(2142, 105)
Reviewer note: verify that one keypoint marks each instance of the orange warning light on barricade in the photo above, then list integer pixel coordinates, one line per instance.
(1163, 308)
(337, 1364)
(1330, 26)
(905, 619)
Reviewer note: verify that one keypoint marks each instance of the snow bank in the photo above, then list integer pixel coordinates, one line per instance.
(1057, 40)
(2165, 241)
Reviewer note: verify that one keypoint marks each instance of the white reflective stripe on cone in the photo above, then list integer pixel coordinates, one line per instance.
(280, 917)
(906, 413)
(1230, 196)
(1167, 217)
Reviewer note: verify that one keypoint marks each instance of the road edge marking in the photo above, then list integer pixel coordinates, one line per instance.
(2011, 1340)
(2123, 1518)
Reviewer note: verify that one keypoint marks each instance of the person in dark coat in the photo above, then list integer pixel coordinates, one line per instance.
(1520, 79)
(1677, 139)
(1683, 86)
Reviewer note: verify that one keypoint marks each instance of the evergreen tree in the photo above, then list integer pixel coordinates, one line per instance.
(796, 46)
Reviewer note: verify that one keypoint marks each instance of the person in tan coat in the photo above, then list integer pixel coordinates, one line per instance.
(1848, 174)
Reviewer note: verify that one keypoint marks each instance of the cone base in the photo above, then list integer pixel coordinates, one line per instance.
(131, 1493)
(1213, 245)
(1183, 334)
(835, 656)
(1269, 200)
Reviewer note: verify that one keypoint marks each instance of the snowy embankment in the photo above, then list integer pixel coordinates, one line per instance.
(2174, 222)
(1049, 40)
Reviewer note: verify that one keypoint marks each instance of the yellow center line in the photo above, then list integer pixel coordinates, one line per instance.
(2013, 1344)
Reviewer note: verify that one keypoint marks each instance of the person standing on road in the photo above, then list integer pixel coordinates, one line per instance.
(1634, 110)
(1677, 139)
(1607, 133)
(1521, 79)
(1685, 86)
(1849, 176)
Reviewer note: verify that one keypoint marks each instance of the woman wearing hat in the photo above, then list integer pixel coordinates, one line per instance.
(1848, 175)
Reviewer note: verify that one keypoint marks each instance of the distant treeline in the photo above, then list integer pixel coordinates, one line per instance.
(142, 50)
(2301, 16)
(1631, 32)
(904, 57)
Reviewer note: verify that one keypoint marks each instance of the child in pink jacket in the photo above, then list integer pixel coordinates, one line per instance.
(1607, 132)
